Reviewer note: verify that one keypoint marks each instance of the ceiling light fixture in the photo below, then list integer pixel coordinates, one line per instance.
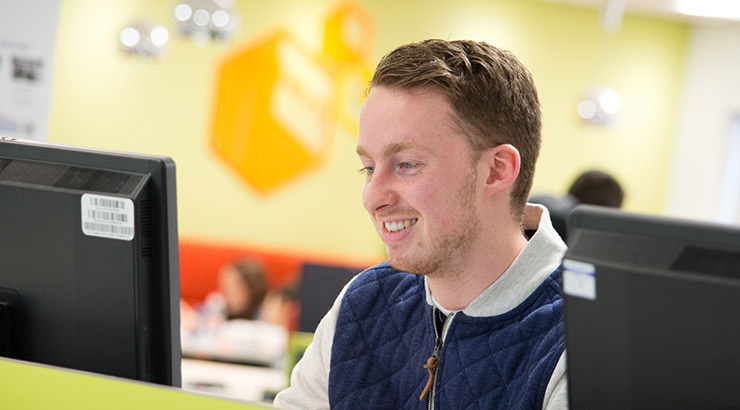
(204, 20)
(724, 9)
(600, 106)
(144, 39)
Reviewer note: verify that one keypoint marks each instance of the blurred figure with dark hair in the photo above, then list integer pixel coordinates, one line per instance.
(243, 320)
(244, 286)
(597, 188)
(243, 293)
(591, 187)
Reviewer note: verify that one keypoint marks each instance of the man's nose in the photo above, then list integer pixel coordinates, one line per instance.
(379, 192)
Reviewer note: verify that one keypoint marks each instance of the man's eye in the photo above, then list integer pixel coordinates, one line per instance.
(367, 170)
(407, 165)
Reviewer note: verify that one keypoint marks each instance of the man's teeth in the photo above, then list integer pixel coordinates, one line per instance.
(396, 226)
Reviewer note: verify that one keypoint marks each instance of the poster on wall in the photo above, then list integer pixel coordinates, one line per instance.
(27, 42)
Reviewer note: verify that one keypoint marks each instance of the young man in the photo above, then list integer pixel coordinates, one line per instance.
(466, 313)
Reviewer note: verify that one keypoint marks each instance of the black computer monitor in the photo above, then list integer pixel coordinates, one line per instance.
(89, 275)
(652, 312)
(318, 287)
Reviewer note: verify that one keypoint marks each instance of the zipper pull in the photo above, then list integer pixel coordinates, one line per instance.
(432, 361)
(431, 366)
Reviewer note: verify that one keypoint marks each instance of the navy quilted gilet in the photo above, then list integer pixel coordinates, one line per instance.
(385, 333)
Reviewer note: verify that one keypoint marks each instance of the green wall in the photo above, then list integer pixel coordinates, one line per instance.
(103, 98)
(31, 386)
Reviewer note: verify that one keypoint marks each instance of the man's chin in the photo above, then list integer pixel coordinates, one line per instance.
(402, 269)
(404, 265)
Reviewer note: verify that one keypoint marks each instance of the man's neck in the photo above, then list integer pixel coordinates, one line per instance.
(455, 291)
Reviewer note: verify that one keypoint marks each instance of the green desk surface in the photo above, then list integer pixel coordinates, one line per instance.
(30, 386)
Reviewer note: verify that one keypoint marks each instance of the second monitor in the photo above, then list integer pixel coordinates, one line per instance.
(652, 312)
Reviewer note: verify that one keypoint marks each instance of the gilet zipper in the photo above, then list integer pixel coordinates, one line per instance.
(433, 360)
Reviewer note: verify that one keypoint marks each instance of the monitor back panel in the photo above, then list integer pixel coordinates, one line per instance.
(319, 287)
(652, 313)
(76, 290)
(90, 254)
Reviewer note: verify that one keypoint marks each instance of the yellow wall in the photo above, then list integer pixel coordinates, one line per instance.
(105, 99)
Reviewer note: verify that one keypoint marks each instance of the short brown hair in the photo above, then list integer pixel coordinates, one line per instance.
(492, 95)
(597, 188)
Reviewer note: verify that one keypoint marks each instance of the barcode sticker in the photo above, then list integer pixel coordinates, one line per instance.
(108, 217)
(579, 279)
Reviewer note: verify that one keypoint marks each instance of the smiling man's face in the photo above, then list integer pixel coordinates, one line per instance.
(420, 189)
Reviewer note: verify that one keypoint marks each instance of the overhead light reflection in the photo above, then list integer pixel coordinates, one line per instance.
(220, 18)
(130, 37)
(587, 109)
(201, 17)
(600, 106)
(144, 39)
(203, 20)
(183, 12)
(159, 36)
(728, 9)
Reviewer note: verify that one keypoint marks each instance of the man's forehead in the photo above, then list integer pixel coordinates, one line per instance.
(393, 148)
(394, 120)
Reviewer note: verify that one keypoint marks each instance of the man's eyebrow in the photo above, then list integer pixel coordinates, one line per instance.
(361, 152)
(393, 148)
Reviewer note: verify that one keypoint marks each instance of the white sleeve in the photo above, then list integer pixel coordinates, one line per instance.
(556, 394)
(309, 380)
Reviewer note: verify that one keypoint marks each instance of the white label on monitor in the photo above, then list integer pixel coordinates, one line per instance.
(579, 279)
(108, 217)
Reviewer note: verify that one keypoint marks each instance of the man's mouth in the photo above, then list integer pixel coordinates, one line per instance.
(396, 226)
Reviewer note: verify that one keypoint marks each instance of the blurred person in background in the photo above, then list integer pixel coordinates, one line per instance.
(591, 187)
(244, 319)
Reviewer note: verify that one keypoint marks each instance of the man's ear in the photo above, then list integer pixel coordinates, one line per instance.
(501, 164)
